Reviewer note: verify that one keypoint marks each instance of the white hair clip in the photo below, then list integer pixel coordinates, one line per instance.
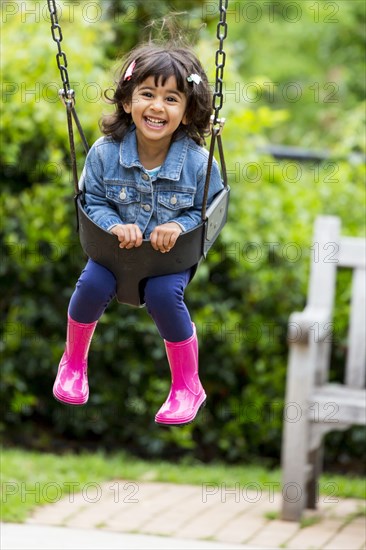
(194, 78)
(129, 70)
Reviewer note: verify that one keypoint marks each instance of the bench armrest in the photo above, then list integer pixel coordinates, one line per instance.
(310, 324)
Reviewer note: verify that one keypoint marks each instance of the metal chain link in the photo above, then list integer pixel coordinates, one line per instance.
(67, 94)
(216, 123)
(220, 59)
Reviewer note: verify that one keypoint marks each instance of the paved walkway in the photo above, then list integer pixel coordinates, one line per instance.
(164, 515)
(36, 537)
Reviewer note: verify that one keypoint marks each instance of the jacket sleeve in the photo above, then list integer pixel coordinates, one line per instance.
(192, 217)
(97, 205)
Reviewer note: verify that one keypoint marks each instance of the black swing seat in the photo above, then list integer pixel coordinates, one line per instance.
(131, 267)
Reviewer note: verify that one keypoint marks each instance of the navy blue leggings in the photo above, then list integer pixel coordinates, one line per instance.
(164, 298)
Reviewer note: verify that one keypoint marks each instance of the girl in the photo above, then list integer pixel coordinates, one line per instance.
(145, 180)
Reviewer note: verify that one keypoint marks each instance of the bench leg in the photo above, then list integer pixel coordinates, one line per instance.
(294, 472)
(316, 463)
(296, 432)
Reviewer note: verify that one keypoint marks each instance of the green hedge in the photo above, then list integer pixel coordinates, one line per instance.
(240, 299)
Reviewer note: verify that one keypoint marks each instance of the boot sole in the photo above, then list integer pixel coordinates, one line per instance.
(73, 403)
(203, 404)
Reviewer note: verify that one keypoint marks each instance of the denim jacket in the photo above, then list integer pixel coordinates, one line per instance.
(119, 190)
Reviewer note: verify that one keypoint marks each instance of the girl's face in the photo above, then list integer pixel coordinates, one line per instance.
(157, 111)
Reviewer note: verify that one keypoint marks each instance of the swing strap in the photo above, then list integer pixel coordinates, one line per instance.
(67, 95)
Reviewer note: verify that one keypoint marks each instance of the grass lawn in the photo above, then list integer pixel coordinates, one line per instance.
(30, 479)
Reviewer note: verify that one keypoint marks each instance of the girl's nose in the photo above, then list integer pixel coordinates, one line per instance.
(157, 104)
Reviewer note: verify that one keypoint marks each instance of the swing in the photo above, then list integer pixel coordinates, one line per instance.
(131, 267)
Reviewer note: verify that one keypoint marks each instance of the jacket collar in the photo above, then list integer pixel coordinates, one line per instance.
(173, 164)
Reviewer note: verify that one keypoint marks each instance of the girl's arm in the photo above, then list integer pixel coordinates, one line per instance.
(96, 203)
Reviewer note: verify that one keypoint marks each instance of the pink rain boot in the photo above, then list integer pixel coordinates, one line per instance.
(71, 384)
(186, 394)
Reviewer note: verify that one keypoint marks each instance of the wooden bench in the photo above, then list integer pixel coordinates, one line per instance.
(313, 405)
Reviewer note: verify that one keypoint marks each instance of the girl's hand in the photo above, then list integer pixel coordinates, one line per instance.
(164, 236)
(129, 235)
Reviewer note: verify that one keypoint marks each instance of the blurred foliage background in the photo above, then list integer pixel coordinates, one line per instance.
(293, 77)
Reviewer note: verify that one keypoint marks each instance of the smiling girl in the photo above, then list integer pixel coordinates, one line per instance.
(145, 180)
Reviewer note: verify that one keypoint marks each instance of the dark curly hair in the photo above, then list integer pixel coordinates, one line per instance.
(162, 62)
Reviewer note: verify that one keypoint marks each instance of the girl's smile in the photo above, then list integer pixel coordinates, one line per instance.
(154, 122)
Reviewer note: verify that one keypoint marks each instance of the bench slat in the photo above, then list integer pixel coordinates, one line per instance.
(323, 268)
(356, 357)
(335, 403)
(352, 252)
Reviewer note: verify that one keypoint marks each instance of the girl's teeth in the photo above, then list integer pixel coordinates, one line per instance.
(154, 121)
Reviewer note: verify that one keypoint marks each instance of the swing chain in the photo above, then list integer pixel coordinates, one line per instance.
(66, 94)
(216, 123)
(220, 59)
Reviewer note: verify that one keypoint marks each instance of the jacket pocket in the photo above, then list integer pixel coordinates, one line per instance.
(126, 199)
(175, 200)
(172, 203)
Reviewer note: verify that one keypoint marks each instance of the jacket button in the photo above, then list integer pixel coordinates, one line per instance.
(122, 195)
(147, 207)
(145, 177)
(173, 200)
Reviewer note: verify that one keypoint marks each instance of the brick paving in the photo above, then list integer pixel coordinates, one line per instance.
(189, 512)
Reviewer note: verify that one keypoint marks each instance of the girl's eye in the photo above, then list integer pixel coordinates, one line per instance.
(147, 94)
(171, 99)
